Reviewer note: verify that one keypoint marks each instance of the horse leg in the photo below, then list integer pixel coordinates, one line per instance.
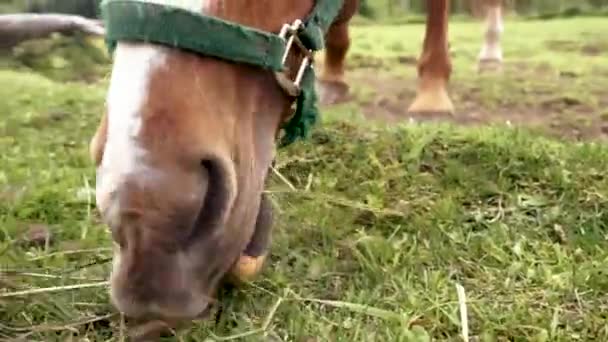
(490, 56)
(434, 65)
(250, 263)
(332, 86)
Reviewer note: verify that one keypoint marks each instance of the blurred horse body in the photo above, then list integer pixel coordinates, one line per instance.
(434, 64)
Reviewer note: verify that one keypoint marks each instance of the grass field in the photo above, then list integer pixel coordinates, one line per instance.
(386, 223)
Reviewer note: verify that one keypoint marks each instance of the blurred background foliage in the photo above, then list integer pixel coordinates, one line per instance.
(370, 9)
(88, 8)
(379, 9)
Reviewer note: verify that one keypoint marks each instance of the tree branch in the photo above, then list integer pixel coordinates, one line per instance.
(16, 28)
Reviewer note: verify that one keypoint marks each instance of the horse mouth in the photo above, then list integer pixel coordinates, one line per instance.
(150, 329)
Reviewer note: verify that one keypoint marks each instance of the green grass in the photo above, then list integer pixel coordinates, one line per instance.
(556, 43)
(385, 223)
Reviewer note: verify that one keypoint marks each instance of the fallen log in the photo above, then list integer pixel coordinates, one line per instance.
(17, 28)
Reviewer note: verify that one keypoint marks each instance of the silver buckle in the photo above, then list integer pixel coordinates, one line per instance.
(293, 88)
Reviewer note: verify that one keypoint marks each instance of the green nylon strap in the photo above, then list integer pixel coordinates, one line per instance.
(318, 22)
(137, 20)
(306, 113)
(180, 28)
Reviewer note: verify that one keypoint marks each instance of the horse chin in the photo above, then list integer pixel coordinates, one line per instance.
(172, 292)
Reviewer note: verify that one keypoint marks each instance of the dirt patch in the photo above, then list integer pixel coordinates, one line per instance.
(562, 45)
(591, 50)
(558, 103)
(522, 71)
(407, 60)
(533, 106)
(357, 61)
(597, 48)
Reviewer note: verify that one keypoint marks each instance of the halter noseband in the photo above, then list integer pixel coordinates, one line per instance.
(138, 20)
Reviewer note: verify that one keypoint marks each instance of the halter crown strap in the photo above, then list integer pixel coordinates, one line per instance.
(180, 28)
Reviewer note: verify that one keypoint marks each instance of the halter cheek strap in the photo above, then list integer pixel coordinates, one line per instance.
(138, 20)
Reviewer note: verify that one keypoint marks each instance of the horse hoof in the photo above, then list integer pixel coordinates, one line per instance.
(432, 101)
(332, 92)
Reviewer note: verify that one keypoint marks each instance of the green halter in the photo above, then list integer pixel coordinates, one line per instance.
(180, 28)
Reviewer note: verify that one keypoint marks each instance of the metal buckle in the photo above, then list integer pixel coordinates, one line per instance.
(293, 88)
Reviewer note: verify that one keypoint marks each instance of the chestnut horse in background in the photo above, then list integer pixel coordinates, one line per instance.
(185, 144)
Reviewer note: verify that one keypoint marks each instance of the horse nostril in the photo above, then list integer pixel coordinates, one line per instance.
(207, 164)
(218, 198)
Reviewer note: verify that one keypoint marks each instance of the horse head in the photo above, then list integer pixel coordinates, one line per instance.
(183, 150)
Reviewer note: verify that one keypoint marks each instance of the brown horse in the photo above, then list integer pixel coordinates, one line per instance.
(434, 64)
(183, 149)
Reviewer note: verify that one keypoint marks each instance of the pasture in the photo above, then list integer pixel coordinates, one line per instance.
(380, 218)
